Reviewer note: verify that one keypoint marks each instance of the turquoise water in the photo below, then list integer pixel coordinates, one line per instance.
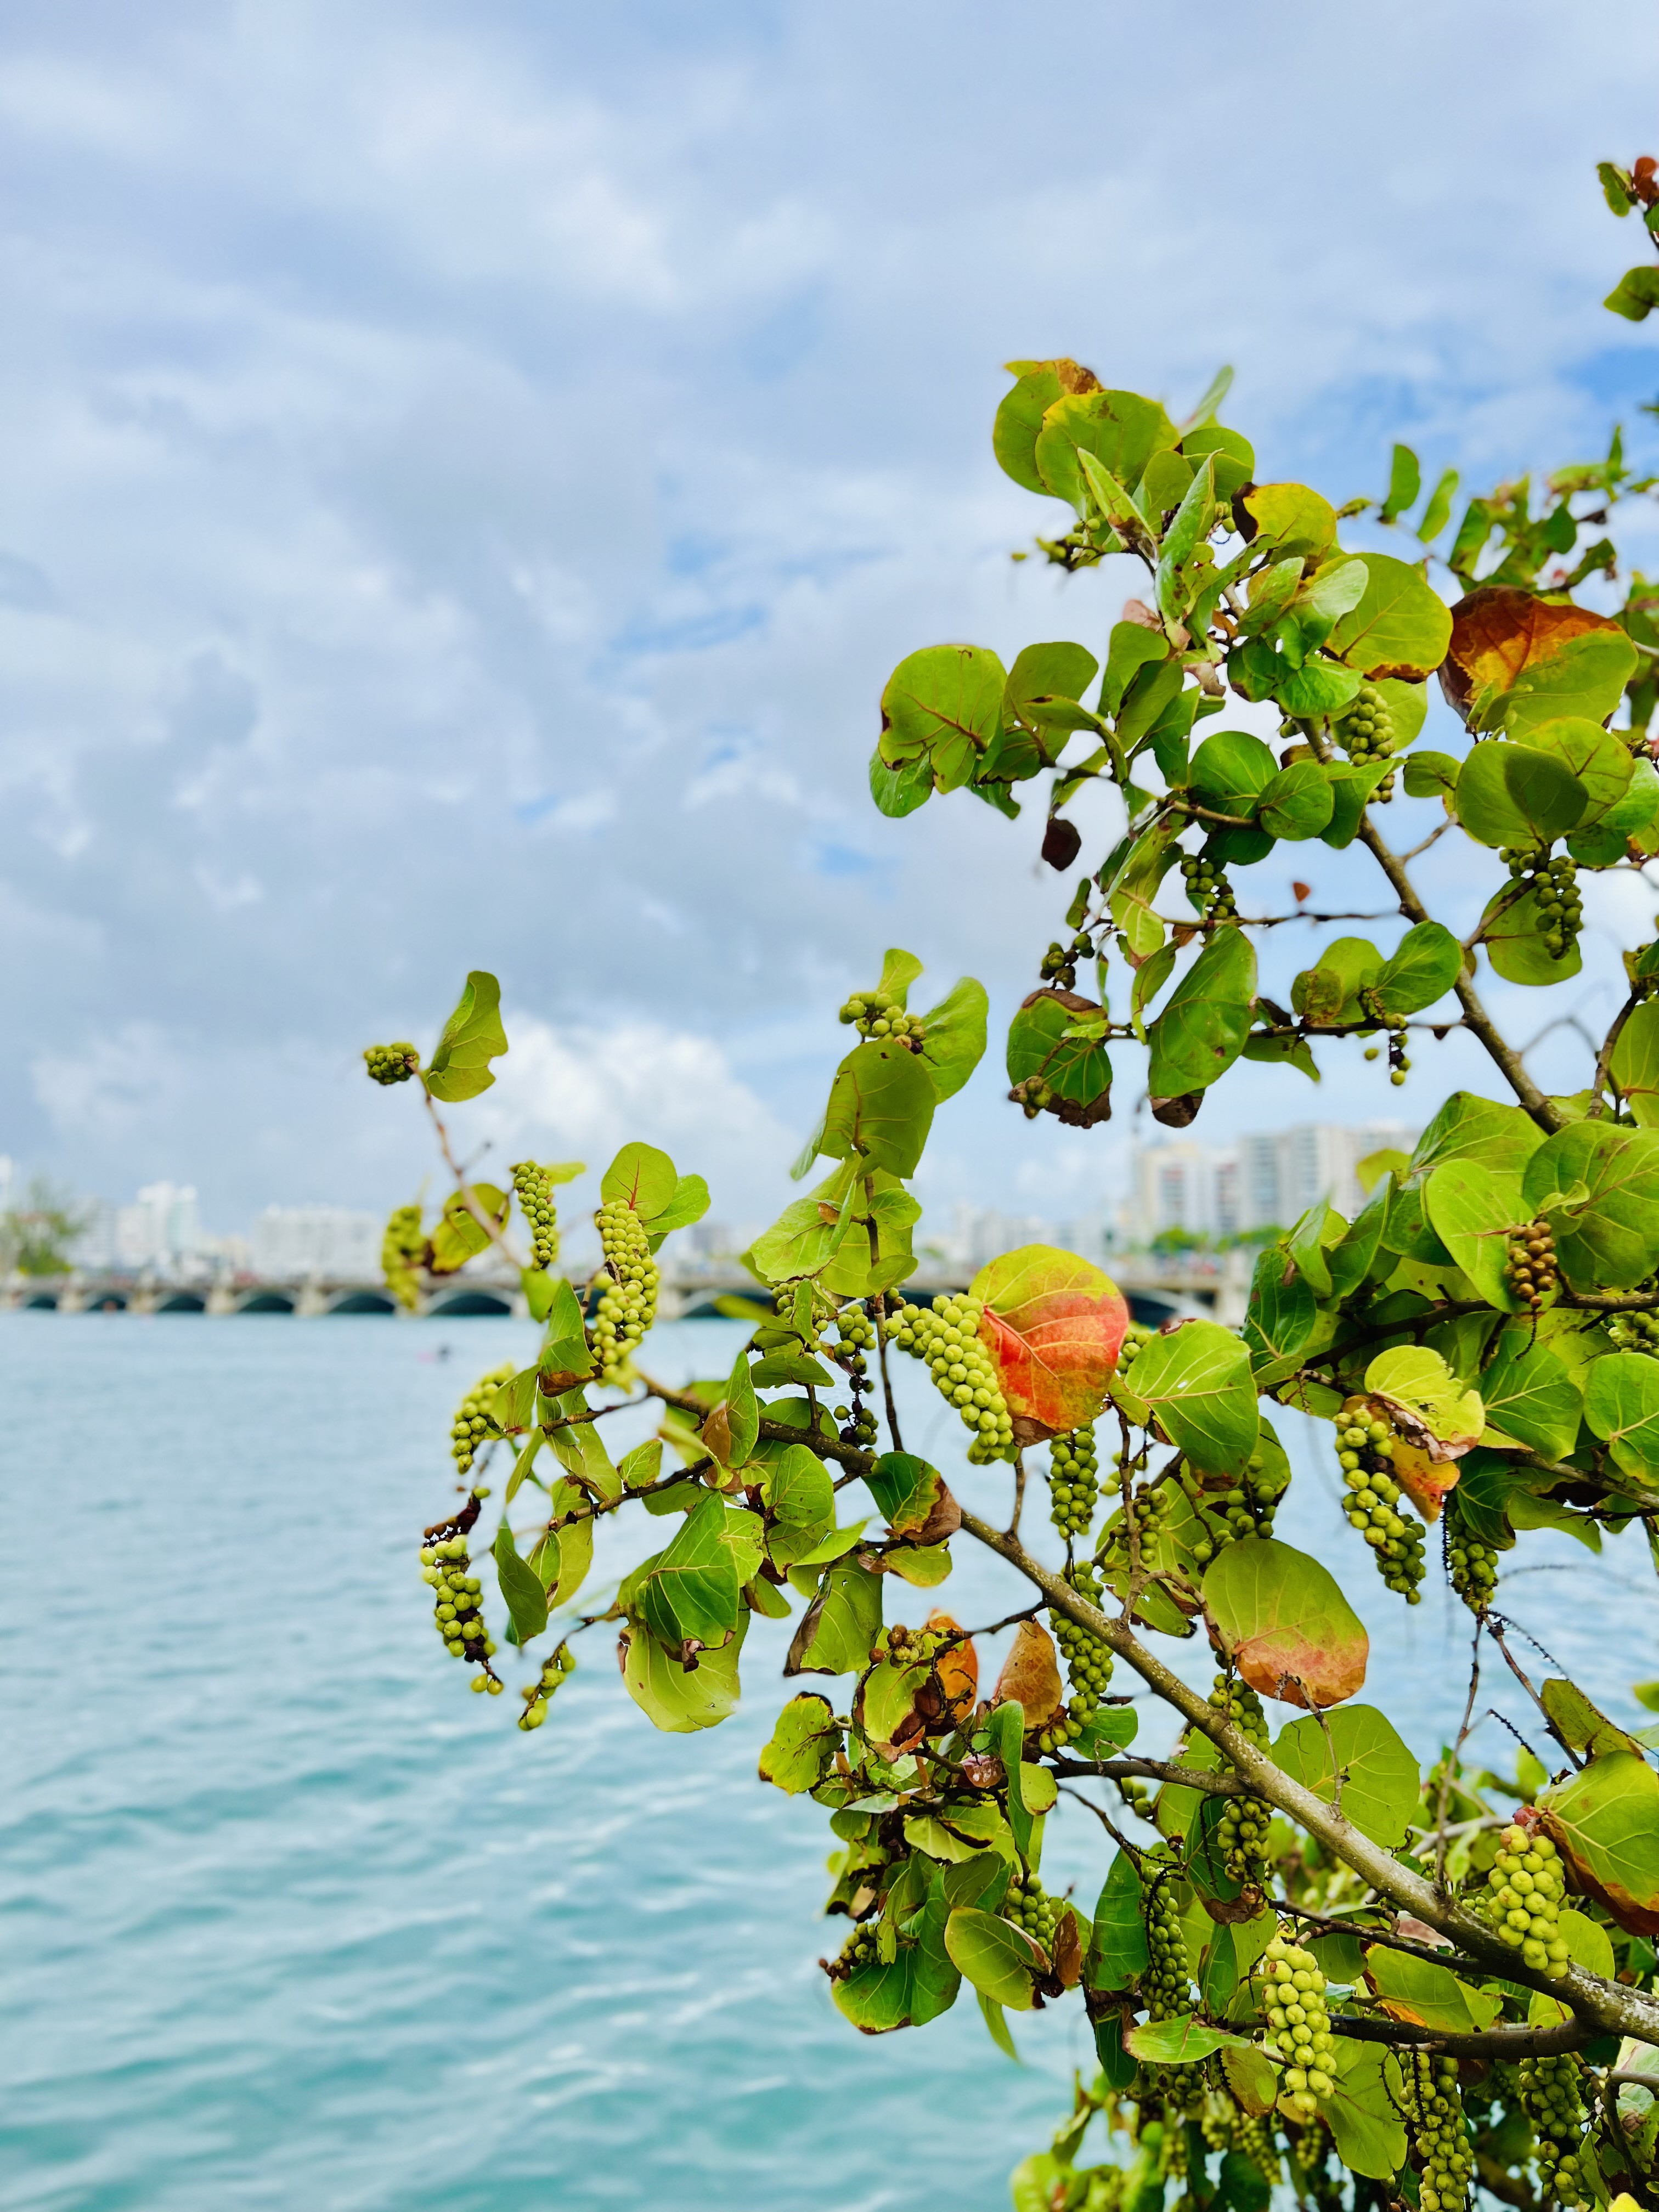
(291, 1920)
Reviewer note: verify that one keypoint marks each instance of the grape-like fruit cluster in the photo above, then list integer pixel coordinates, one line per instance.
(1366, 732)
(1088, 1662)
(1560, 908)
(1365, 1453)
(1059, 963)
(1298, 2025)
(1029, 1905)
(1529, 1262)
(1395, 1025)
(1207, 888)
(628, 1305)
(1523, 1897)
(913, 1647)
(878, 1014)
(1256, 2140)
(1440, 2135)
(1553, 2100)
(455, 1588)
(392, 1063)
(1471, 1562)
(469, 1431)
(1167, 1983)
(1073, 1482)
(856, 1335)
(860, 1950)
(557, 1668)
(946, 1336)
(1635, 1332)
(533, 1187)
(1245, 1508)
(403, 1246)
(1242, 1828)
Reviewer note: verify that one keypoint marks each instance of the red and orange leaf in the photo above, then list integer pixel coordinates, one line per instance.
(1053, 1326)
(1501, 635)
(1031, 1677)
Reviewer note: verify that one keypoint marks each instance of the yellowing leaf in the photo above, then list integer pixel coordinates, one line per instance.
(1053, 1326)
(1031, 1677)
(1292, 1632)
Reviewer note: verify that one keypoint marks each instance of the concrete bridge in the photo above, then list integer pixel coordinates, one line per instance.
(1157, 1291)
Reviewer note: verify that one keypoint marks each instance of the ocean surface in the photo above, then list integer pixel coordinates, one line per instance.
(290, 1919)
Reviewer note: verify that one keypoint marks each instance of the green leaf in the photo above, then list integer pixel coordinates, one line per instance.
(1422, 967)
(1401, 627)
(1600, 1185)
(906, 1489)
(1512, 794)
(1621, 1404)
(1135, 887)
(742, 1411)
(1231, 770)
(953, 1037)
(1416, 1377)
(1634, 1063)
(1529, 1396)
(802, 1746)
(646, 1178)
(472, 1038)
(1636, 294)
(1318, 687)
(672, 1700)
(1298, 802)
(1438, 512)
(1198, 1385)
(881, 1108)
(1292, 1633)
(459, 1236)
(1045, 692)
(1120, 429)
(1474, 1211)
(1283, 1315)
(1579, 1722)
(999, 1959)
(1202, 1029)
(1587, 1943)
(1405, 482)
(695, 1591)
(1416, 1990)
(840, 1627)
(689, 1203)
(1364, 2112)
(1019, 417)
(1179, 2042)
(1431, 774)
(1605, 1820)
(800, 1504)
(1289, 519)
(640, 1466)
(1330, 992)
(1254, 2080)
(1117, 1952)
(943, 705)
(1597, 760)
(1076, 1069)
(1132, 647)
(1053, 1326)
(1234, 457)
(1179, 578)
(1512, 931)
(1379, 1781)
(899, 791)
(522, 1587)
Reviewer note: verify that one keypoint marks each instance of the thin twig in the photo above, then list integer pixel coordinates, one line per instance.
(1451, 1761)
(491, 1230)
(886, 1377)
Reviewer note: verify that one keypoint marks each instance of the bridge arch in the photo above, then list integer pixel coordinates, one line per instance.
(190, 1302)
(364, 1302)
(266, 1302)
(463, 1305)
(41, 1302)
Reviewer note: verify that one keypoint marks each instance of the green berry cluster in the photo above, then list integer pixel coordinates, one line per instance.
(1245, 1508)
(1058, 964)
(1073, 1482)
(628, 1305)
(1555, 882)
(1167, 1983)
(392, 1063)
(1088, 1662)
(1553, 2099)
(555, 1668)
(1471, 1562)
(1523, 1897)
(860, 1949)
(878, 1014)
(1138, 1334)
(946, 1336)
(1137, 1796)
(856, 1335)
(1217, 2120)
(1398, 1059)
(1439, 2133)
(533, 1187)
(1298, 2025)
(1242, 1828)
(1635, 1332)
(1529, 1262)
(1366, 732)
(472, 1427)
(1029, 1905)
(458, 1619)
(1207, 888)
(1366, 1449)
(403, 1247)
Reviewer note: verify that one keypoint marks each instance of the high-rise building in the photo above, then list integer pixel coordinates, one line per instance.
(292, 1242)
(1265, 1180)
(161, 1228)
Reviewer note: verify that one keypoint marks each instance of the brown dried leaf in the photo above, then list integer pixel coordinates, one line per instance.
(1031, 1677)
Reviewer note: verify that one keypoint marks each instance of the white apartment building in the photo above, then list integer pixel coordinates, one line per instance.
(292, 1242)
(1265, 1180)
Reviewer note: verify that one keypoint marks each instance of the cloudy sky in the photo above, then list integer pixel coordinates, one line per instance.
(469, 470)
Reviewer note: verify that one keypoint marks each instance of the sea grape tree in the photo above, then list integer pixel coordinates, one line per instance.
(1306, 1959)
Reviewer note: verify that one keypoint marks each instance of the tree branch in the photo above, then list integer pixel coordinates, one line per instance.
(1484, 2043)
